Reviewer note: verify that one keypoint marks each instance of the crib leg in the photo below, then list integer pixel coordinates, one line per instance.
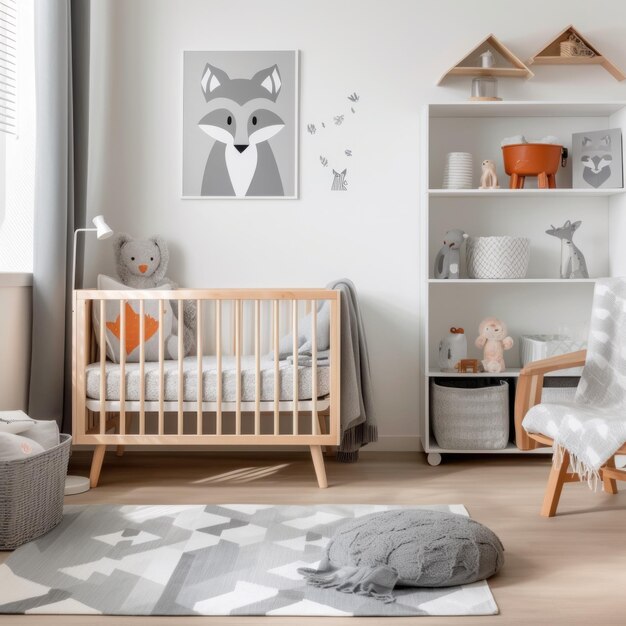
(324, 430)
(321, 418)
(96, 464)
(318, 464)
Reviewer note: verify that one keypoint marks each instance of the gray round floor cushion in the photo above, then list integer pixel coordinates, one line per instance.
(373, 554)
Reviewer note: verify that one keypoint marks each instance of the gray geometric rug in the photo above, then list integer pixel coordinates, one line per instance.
(230, 559)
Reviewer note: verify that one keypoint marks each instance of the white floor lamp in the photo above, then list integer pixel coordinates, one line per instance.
(80, 484)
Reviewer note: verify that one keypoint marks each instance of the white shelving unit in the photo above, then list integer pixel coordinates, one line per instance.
(542, 302)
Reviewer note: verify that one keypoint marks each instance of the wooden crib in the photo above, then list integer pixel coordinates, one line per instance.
(237, 338)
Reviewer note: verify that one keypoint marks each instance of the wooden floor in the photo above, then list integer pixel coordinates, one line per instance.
(567, 570)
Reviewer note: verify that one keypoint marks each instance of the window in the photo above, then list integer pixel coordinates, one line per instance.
(17, 141)
(8, 66)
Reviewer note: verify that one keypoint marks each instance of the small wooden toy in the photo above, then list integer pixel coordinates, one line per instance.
(465, 366)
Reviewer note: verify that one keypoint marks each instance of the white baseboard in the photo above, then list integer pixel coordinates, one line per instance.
(384, 444)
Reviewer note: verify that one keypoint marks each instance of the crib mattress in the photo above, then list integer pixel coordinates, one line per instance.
(209, 380)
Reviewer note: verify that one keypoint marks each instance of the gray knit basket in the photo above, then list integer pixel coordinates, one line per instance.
(31, 494)
(470, 419)
(497, 257)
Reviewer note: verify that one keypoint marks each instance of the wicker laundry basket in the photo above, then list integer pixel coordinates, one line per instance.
(470, 415)
(497, 257)
(31, 495)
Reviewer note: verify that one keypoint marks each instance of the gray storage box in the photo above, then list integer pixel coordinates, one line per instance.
(31, 495)
(470, 414)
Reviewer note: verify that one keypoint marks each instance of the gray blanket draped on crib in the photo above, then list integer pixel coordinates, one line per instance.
(358, 426)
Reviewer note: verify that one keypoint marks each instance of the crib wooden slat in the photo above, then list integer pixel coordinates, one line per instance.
(335, 363)
(161, 418)
(233, 324)
(276, 330)
(103, 356)
(294, 331)
(142, 368)
(199, 357)
(257, 367)
(315, 426)
(181, 373)
(238, 367)
(122, 367)
(218, 365)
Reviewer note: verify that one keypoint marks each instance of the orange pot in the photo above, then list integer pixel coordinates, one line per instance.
(533, 159)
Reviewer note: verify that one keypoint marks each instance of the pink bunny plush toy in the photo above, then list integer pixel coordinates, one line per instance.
(493, 339)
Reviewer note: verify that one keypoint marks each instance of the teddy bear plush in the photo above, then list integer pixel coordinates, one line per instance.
(142, 264)
(448, 259)
(493, 339)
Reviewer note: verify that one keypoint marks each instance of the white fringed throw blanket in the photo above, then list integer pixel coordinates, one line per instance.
(593, 427)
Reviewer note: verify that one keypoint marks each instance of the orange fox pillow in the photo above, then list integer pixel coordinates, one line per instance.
(113, 332)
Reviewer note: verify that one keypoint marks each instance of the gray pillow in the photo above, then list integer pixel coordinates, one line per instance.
(305, 335)
(373, 554)
(15, 447)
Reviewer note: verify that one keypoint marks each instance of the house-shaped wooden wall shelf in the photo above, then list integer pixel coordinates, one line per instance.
(506, 63)
(551, 54)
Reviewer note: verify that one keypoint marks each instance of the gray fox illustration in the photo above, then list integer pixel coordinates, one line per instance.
(597, 160)
(241, 120)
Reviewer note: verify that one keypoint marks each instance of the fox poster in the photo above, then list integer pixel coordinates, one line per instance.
(240, 124)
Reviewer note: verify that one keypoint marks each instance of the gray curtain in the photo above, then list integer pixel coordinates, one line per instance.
(62, 82)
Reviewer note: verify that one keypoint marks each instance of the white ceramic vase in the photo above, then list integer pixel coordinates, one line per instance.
(452, 348)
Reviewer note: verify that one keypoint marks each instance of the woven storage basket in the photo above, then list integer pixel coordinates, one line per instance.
(31, 495)
(537, 347)
(465, 418)
(497, 257)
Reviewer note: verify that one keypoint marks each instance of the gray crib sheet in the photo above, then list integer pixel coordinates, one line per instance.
(209, 380)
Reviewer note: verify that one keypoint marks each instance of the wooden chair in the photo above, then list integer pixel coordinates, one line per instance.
(600, 389)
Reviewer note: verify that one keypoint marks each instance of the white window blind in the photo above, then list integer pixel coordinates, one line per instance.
(8, 66)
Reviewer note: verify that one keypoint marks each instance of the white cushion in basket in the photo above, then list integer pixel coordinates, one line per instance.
(44, 432)
(15, 447)
(14, 421)
(151, 314)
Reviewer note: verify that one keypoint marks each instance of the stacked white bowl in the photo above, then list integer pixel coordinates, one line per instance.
(458, 173)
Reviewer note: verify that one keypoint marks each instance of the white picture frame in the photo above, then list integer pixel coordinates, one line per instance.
(222, 159)
(597, 161)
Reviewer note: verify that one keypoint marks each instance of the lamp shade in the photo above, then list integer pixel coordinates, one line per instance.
(103, 230)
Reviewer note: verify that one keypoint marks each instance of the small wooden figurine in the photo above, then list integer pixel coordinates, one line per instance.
(465, 366)
(489, 178)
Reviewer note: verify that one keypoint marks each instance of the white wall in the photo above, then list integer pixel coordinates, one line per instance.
(392, 53)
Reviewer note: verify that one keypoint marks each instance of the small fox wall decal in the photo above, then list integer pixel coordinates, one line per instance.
(339, 181)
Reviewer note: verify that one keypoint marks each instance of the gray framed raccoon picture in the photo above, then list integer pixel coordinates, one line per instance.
(240, 124)
(597, 159)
